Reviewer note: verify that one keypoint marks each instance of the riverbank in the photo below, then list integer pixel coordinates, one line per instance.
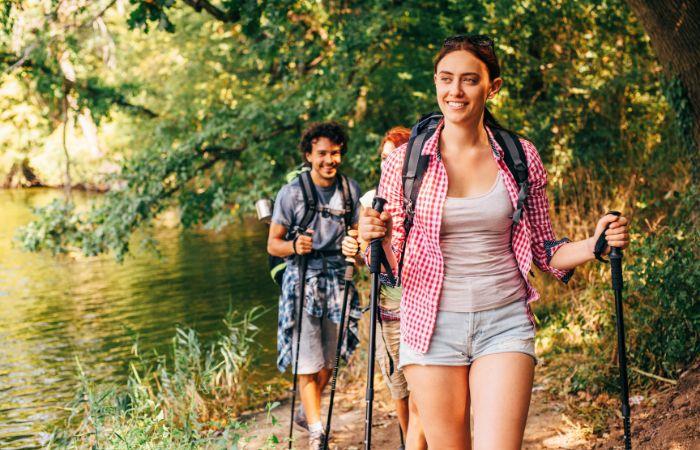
(78, 187)
(57, 308)
(197, 398)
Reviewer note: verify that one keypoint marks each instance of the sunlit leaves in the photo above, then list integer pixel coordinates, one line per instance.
(236, 82)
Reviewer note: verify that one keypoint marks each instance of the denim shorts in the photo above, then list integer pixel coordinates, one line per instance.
(460, 338)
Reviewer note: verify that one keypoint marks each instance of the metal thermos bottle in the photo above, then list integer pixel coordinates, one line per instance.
(264, 209)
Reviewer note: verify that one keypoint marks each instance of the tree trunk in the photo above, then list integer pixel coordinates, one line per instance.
(674, 29)
(68, 180)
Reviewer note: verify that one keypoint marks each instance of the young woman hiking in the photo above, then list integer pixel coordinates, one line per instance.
(389, 299)
(466, 326)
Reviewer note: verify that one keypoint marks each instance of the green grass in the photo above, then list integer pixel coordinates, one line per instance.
(188, 400)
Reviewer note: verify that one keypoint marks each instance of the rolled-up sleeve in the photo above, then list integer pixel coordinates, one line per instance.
(544, 243)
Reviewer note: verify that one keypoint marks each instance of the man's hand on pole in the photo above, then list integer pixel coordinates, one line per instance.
(303, 243)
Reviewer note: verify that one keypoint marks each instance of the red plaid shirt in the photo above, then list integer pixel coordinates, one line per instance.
(423, 267)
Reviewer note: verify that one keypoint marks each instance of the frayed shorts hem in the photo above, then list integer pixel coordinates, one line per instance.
(460, 338)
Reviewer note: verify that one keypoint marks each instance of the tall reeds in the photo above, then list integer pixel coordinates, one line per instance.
(189, 399)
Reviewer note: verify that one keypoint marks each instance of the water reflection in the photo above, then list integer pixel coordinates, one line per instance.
(56, 308)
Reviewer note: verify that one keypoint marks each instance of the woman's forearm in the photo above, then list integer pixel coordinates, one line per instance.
(573, 254)
(386, 246)
(390, 258)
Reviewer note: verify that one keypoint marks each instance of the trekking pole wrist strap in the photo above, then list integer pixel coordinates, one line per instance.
(294, 244)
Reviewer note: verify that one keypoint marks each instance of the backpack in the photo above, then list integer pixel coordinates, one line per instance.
(311, 208)
(414, 165)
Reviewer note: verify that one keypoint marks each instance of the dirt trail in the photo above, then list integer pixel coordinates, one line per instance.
(547, 428)
(668, 419)
(672, 421)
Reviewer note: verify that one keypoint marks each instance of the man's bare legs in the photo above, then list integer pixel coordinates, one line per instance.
(310, 388)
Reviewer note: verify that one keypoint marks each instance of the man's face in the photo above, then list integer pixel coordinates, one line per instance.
(324, 158)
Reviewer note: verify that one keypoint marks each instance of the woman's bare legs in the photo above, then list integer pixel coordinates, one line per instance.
(415, 438)
(442, 396)
(500, 386)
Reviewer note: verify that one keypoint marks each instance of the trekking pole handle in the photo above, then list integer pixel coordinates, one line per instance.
(378, 204)
(615, 262)
(375, 263)
(349, 260)
(601, 242)
(616, 268)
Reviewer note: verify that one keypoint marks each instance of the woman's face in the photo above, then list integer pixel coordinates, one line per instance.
(462, 85)
(387, 149)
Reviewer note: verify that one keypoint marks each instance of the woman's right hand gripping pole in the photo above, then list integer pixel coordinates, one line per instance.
(375, 225)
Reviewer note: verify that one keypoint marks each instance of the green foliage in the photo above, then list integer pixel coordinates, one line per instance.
(664, 280)
(152, 11)
(234, 85)
(661, 273)
(189, 402)
(678, 99)
(55, 221)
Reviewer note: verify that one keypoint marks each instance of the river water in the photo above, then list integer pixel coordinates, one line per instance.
(54, 309)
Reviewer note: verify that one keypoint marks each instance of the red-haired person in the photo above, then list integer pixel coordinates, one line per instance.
(389, 309)
(467, 337)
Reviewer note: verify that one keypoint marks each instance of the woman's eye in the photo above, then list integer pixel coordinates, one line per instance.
(470, 80)
(446, 80)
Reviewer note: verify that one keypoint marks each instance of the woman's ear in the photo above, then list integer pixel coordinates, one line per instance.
(495, 87)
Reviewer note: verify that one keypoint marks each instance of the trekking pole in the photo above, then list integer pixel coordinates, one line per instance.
(349, 271)
(301, 264)
(617, 285)
(616, 275)
(377, 257)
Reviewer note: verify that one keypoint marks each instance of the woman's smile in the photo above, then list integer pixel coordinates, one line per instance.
(456, 106)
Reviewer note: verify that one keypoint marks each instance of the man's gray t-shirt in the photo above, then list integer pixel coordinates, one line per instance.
(328, 231)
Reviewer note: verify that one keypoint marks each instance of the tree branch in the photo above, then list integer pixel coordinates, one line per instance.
(217, 13)
(118, 99)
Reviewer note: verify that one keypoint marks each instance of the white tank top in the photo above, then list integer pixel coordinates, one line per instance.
(480, 268)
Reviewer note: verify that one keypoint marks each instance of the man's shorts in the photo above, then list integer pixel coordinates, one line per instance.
(460, 338)
(390, 300)
(319, 339)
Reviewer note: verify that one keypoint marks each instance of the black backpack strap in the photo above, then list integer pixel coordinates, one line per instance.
(348, 202)
(310, 200)
(516, 161)
(414, 165)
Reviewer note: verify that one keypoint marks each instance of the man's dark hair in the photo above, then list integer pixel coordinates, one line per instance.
(333, 131)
